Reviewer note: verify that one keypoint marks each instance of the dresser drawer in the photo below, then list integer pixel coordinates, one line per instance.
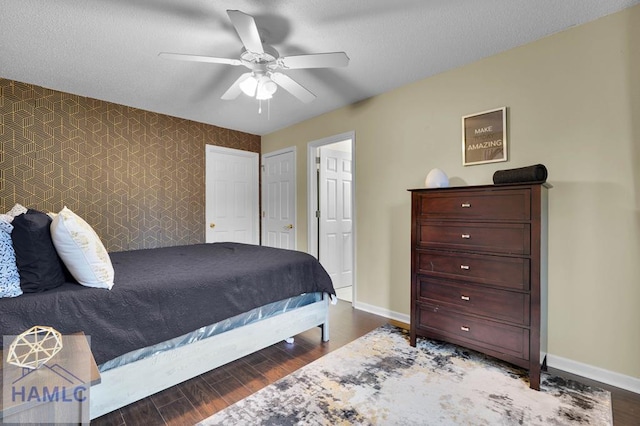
(473, 299)
(494, 204)
(486, 334)
(507, 272)
(512, 238)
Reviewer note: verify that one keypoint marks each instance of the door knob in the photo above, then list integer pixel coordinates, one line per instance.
(289, 226)
(212, 225)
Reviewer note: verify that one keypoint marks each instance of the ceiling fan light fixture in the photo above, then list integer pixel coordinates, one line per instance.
(249, 86)
(266, 88)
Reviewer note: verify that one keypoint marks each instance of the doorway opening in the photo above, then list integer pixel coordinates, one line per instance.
(331, 206)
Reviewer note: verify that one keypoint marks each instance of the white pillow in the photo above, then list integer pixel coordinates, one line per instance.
(16, 210)
(81, 250)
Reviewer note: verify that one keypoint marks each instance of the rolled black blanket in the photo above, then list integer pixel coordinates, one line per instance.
(535, 173)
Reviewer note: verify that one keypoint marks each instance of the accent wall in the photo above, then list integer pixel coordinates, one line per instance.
(136, 177)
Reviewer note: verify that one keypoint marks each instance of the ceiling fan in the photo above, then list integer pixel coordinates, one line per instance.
(263, 61)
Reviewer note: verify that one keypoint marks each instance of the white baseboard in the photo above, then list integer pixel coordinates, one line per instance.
(574, 367)
(594, 373)
(396, 316)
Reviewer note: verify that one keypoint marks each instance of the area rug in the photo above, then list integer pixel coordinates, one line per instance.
(379, 379)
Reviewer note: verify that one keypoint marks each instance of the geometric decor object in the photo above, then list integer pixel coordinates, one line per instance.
(34, 347)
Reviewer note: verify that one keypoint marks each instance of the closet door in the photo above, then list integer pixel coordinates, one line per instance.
(231, 196)
(279, 199)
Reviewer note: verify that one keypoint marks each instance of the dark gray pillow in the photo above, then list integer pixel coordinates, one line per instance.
(39, 266)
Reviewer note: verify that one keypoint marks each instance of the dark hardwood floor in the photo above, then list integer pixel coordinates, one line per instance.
(198, 398)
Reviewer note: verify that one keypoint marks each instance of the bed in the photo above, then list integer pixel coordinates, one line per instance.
(176, 312)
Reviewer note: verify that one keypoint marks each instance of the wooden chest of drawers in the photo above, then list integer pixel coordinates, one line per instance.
(478, 270)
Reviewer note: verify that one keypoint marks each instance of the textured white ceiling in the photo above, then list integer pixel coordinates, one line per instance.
(107, 49)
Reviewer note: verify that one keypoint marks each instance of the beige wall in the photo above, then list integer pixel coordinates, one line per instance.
(574, 105)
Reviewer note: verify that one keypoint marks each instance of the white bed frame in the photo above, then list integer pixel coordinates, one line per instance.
(131, 382)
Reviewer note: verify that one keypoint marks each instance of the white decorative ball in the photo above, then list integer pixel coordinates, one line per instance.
(436, 179)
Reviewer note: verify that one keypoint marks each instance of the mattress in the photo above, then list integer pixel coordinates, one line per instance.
(254, 315)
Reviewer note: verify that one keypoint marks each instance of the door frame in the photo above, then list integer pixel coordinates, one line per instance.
(291, 149)
(255, 204)
(312, 196)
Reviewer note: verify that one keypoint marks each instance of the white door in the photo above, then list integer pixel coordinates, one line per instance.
(231, 195)
(336, 218)
(279, 199)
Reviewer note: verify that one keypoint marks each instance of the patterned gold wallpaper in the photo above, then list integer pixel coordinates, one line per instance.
(137, 177)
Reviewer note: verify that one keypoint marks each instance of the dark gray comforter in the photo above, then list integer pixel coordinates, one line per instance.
(163, 293)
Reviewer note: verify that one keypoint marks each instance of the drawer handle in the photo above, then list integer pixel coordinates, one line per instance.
(464, 328)
(466, 236)
(463, 297)
(466, 267)
(466, 205)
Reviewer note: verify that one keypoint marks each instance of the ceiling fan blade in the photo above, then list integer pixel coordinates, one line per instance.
(234, 91)
(318, 60)
(198, 58)
(291, 86)
(247, 30)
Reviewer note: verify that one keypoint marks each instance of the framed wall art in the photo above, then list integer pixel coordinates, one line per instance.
(484, 137)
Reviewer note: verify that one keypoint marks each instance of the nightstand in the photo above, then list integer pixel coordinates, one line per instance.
(55, 392)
